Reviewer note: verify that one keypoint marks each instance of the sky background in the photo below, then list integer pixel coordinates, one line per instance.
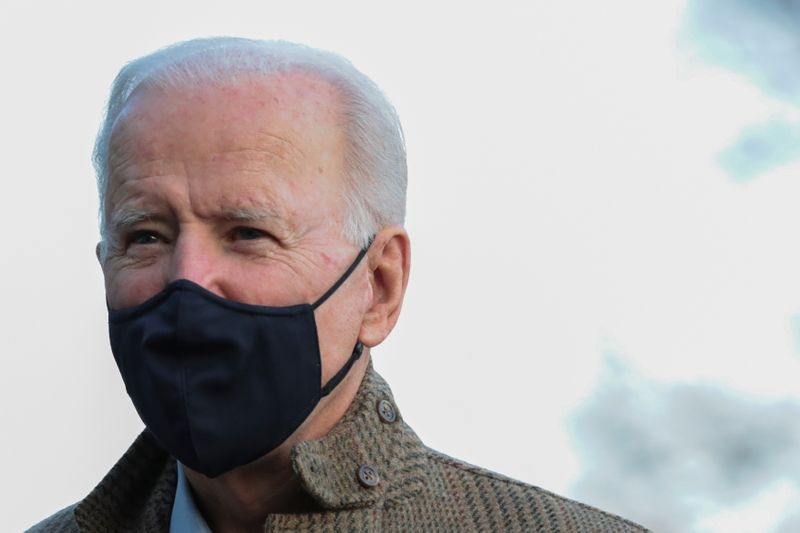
(604, 298)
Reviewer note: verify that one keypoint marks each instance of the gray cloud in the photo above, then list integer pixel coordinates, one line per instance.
(790, 524)
(666, 455)
(761, 147)
(760, 39)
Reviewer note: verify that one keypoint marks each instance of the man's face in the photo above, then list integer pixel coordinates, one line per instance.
(238, 189)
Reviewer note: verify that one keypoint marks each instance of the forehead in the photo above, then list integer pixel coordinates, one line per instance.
(286, 126)
(302, 107)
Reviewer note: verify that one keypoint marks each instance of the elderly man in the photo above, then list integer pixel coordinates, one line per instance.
(253, 196)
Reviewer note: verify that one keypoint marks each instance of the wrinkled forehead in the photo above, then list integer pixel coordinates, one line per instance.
(296, 109)
(285, 127)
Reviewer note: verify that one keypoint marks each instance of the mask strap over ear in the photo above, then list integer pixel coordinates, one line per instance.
(336, 379)
(359, 348)
(344, 276)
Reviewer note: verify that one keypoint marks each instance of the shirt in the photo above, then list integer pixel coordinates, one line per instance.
(186, 518)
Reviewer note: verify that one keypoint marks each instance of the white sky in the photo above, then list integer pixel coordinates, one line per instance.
(564, 203)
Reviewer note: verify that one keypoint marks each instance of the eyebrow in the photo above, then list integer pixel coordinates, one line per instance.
(240, 214)
(124, 219)
(257, 214)
(121, 220)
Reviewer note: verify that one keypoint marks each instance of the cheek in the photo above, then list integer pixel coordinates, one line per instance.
(130, 287)
(266, 283)
(337, 336)
(338, 323)
(343, 312)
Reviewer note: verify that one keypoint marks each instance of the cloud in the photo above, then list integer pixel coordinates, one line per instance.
(760, 39)
(790, 524)
(761, 147)
(669, 455)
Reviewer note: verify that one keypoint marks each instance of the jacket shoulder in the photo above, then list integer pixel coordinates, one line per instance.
(493, 502)
(61, 522)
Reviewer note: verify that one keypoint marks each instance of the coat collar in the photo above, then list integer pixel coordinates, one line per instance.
(137, 494)
(329, 467)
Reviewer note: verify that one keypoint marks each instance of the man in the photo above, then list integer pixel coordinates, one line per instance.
(253, 196)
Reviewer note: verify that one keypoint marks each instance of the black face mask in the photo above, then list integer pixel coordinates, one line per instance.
(221, 383)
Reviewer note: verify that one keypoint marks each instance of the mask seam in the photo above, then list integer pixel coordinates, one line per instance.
(186, 412)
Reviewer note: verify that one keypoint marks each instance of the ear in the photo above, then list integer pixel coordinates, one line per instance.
(389, 261)
(98, 251)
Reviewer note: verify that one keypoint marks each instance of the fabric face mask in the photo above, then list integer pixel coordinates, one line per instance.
(217, 382)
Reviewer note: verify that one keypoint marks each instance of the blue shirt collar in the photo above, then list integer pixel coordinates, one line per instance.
(186, 518)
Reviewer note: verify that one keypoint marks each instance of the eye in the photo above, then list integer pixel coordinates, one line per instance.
(144, 237)
(248, 234)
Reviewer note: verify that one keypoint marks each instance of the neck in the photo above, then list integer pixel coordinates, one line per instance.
(239, 501)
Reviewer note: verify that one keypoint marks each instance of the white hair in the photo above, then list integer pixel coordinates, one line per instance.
(375, 158)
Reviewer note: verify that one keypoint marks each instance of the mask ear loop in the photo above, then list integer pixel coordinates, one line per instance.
(335, 380)
(359, 347)
(344, 276)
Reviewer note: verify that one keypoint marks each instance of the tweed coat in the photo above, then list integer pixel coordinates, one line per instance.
(417, 489)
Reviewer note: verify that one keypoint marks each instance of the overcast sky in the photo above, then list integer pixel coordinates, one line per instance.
(602, 205)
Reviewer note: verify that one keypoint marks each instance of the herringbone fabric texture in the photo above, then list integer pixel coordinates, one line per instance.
(418, 490)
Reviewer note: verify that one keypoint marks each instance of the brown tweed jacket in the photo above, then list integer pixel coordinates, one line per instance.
(418, 489)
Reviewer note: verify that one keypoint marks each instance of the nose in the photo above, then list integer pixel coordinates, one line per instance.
(195, 258)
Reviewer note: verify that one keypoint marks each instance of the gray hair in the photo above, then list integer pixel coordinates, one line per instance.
(375, 160)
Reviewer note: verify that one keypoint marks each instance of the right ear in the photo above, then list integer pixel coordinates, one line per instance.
(389, 260)
(98, 251)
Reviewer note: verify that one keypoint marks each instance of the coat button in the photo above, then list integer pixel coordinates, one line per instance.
(387, 411)
(368, 476)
